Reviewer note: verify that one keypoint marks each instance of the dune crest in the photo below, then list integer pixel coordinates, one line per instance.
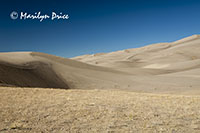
(157, 66)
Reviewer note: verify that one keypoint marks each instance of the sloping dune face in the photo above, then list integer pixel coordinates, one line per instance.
(30, 69)
(20, 69)
(34, 74)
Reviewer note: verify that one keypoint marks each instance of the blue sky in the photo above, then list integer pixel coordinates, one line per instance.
(96, 25)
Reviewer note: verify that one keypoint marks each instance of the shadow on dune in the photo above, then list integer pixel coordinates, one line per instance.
(33, 74)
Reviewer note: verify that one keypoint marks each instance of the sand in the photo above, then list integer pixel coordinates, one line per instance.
(150, 89)
(162, 66)
(157, 68)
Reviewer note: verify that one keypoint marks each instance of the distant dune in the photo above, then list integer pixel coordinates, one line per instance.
(158, 68)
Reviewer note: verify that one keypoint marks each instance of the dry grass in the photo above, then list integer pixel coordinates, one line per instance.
(51, 110)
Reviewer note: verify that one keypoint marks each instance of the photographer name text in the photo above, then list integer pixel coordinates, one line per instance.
(39, 16)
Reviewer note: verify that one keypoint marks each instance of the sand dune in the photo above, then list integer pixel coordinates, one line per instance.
(164, 63)
(158, 68)
(183, 50)
(43, 70)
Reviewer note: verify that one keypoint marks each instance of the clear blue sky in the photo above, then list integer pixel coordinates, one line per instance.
(96, 25)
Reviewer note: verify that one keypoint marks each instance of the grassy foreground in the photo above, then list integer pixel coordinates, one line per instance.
(53, 110)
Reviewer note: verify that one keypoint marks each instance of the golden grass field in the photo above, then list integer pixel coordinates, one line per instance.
(58, 111)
